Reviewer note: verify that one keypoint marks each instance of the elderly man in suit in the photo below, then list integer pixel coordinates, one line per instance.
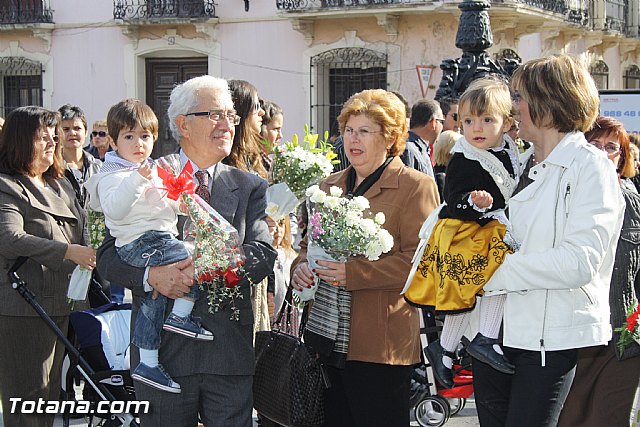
(215, 376)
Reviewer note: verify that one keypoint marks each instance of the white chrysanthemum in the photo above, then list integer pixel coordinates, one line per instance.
(373, 250)
(318, 197)
(352, 219)
(361, 202)
(272, 209)
(368, 227)
(387, 240)
(335, 191)
(379, 218)
(312, 190)
(332, 202)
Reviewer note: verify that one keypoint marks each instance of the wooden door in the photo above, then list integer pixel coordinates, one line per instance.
(163, 74)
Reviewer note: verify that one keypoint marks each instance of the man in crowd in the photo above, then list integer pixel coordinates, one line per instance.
(425, 126)
(215, 376)
(449, 108)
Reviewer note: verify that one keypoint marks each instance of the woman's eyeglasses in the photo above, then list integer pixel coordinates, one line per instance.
(362, 132)
(610, 148)
(100, 133)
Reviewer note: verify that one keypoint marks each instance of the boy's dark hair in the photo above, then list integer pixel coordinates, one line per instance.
(127, 113)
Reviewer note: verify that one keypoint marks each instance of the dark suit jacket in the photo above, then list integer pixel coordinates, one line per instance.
(240, 198)
(34, 222)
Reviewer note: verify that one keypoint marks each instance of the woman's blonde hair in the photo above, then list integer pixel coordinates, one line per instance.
(560, 92)
(443, 145)
(384, 108)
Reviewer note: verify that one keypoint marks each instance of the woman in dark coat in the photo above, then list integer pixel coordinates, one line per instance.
(40, 218)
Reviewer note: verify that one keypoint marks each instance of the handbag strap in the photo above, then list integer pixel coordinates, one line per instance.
(287, 305)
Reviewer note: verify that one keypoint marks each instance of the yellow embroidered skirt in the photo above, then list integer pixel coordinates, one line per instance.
(458, 260)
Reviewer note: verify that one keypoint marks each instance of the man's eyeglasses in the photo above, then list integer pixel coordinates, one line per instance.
(455, 116)
(362, 132)
(100, 133)
(610, 148)
(439, 120)
(218, 115)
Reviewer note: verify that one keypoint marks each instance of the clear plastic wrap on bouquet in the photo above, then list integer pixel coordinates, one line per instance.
(216, 245)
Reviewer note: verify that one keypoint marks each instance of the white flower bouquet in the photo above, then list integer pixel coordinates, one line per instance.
(299, 165)
(339, 227)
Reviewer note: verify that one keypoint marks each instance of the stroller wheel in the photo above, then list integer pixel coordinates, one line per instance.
(432, 411)
(456, 404)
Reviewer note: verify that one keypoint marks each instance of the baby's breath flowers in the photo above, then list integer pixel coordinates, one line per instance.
(218, 256)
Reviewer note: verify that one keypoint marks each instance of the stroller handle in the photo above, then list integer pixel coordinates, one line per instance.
(16, 265)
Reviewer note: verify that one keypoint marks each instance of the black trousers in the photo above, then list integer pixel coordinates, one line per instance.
(533, 396)
(367, 394)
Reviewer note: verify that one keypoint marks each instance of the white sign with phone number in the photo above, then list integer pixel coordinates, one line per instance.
(624, 107)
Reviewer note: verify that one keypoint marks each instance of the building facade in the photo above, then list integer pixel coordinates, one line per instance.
(306, 55)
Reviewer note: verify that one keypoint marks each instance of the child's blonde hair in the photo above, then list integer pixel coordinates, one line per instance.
(487, 95)
(128, 113)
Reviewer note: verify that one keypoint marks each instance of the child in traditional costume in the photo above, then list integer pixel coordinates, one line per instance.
(466, 239)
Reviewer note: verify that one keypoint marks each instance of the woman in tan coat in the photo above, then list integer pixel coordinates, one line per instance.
(40, 218)
(368, 356)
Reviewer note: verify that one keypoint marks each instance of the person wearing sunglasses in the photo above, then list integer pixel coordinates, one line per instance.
(100, 140)
(610, 370)
(449, 107)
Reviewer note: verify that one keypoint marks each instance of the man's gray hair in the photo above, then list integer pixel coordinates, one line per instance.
(184, 98)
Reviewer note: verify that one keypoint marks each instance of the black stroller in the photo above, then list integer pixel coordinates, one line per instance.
(101, 385)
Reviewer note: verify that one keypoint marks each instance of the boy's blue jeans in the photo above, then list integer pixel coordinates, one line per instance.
(151, 249)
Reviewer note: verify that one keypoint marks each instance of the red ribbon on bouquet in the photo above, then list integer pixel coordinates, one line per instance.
(176, 185)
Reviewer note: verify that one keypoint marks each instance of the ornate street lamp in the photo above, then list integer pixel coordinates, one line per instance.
(474, 37)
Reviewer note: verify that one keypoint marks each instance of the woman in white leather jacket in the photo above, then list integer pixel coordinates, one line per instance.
(567, 213)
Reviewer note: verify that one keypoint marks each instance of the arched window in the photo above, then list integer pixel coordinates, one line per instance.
(21, 80)
(632, 77)
(600, 73)
(336, 75)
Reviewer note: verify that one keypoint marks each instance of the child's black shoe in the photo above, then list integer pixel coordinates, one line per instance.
(481, 348)
(443, 374)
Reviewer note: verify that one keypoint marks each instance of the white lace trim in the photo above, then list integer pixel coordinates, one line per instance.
(493, 165)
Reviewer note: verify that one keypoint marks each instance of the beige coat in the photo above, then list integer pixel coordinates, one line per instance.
(37, 224)
(384, 328)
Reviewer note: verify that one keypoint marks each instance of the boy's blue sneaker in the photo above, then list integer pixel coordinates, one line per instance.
(155, 377)
(188, 327)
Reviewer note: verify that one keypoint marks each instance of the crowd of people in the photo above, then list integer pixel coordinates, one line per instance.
(515, 198)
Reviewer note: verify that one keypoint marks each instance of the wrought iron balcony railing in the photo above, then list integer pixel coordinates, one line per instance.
(132, 10)
(576, 11)
(25, 12)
